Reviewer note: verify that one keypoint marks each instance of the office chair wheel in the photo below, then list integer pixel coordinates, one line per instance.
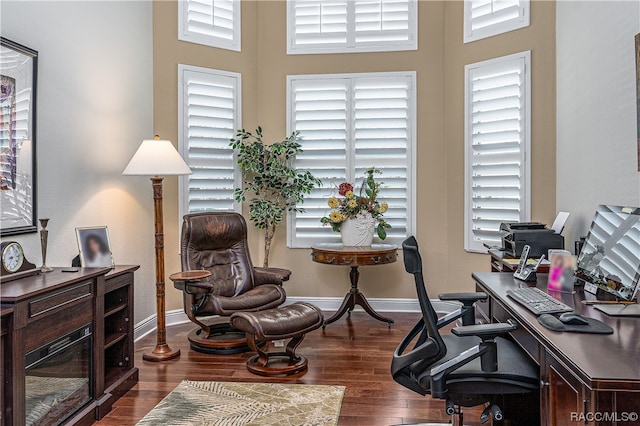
(450, 408)
(491, 411)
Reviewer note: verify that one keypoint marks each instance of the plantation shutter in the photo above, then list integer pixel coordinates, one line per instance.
(211, 22)
(319, 111)
(380, 21)
(497, 134)
(209, 119)
(349, 123)
(485, 18)
(319, 22)
(382, 138)
(339, 26)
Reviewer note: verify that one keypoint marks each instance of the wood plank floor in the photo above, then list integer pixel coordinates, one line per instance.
(353, 352)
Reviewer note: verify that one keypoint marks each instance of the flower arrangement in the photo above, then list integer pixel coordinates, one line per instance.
(364, 206)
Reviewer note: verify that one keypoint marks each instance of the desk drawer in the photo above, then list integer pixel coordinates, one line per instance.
(59, 299)
(520, 335)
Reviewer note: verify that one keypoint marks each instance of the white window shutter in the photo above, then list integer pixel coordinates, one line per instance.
(349, 123)
(209, 117)
(497, 140)
(486, 18)
(317, 22)
(319, 110)
(341, 26)
(213, 23)
(382, 138)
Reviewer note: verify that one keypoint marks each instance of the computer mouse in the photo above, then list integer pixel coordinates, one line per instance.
(571, 318)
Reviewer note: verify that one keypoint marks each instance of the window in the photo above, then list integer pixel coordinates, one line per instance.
(341, 26)
(497, 144)
(348, 123)
(209, 115)
(213, 23)
(486, 18)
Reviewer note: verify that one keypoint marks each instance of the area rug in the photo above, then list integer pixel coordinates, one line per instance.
(238, 404)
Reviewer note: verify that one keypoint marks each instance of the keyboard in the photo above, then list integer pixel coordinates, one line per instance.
(537, 301)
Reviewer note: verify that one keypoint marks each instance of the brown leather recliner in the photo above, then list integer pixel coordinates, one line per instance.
(217, 242)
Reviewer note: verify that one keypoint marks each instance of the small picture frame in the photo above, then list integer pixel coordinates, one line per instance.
(95, 247)
(561, 271)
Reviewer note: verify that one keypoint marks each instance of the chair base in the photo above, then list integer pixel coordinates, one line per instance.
(223, 339)
(279, 364)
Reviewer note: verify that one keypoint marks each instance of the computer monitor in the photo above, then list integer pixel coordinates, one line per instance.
(610, 257)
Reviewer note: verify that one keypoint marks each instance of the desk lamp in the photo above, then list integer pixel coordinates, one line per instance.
(158, 158)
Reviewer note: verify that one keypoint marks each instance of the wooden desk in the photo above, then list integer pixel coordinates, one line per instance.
(503, 263)
(354, 257)
(590, 375)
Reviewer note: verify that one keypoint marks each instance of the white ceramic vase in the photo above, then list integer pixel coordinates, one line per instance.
(358, 232)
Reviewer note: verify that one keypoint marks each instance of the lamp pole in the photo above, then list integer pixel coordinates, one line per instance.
(162, 351)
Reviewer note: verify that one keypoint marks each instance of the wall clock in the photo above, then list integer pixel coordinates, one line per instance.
(13, 264)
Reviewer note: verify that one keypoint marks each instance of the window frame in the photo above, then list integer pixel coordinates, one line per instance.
(184, 34)
(351, 45)
(470, 245)
(183, 180)
(523, 21)
(292, 240)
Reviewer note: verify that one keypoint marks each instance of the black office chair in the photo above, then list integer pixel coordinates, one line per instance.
(471, 366)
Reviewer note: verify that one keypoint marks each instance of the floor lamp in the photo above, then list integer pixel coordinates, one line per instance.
(158, 158)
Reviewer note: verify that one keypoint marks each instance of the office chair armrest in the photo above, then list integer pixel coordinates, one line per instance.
(271, 275)
(484, 331)
(466, 299)
(466, 311)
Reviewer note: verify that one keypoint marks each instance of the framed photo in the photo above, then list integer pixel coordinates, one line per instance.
(95, 247)
(18, 76)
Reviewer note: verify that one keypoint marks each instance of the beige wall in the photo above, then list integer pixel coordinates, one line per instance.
(168, 52)
(439, 64)
(539, 37)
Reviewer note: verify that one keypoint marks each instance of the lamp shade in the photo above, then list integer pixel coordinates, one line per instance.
(156, 157)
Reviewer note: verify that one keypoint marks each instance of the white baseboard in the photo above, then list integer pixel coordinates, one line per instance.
(149, 324)
(177, 316)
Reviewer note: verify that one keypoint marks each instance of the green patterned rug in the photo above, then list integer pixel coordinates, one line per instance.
(237, 404)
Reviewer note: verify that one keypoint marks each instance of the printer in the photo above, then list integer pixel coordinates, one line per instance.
(534, 234)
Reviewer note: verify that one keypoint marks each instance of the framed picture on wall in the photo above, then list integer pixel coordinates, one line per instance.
(18, 76)
(95, 247)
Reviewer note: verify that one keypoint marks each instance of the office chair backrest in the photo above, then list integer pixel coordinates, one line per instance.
(429, 346)
(217, 242)
(413, 265)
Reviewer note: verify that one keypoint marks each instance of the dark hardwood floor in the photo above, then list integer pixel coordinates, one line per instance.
(354, 352)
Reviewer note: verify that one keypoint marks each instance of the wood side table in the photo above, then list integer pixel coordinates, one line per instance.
(354, 257)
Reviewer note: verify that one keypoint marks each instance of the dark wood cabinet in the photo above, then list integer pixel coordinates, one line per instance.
(73, 333)
(587, 379)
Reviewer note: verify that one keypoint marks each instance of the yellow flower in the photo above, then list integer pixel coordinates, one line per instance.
(349, 194)
(336, 217)
(384, 207)
(352, 203)
(333, 202)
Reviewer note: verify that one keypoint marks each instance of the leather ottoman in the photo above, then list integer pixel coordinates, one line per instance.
(287, 322)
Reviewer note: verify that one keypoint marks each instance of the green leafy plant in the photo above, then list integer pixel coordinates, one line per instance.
(269, 173)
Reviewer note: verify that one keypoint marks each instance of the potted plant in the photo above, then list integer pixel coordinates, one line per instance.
(269, 173)
(358, 217)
